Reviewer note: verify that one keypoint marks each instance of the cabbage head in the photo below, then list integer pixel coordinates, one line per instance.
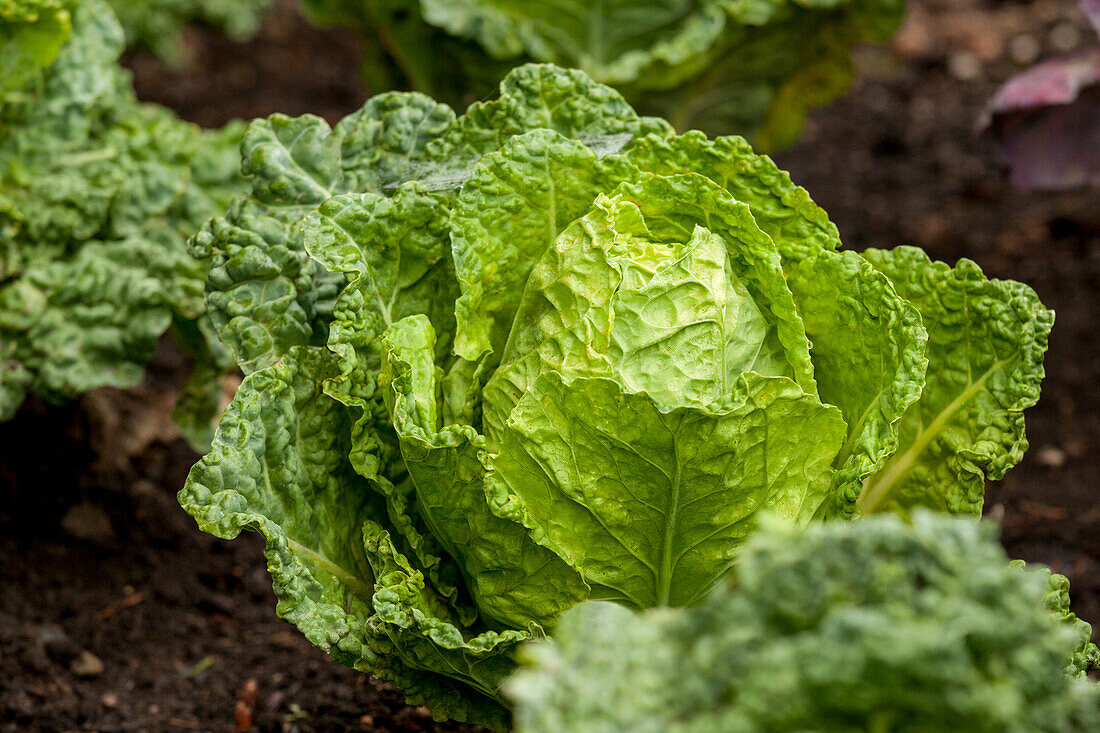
(549, 351)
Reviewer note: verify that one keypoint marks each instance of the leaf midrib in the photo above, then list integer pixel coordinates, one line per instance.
(877, 488)
(667, 564)
(331, 567)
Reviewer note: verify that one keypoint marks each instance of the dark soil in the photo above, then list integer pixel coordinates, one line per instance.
(290, 67)
(97, 559)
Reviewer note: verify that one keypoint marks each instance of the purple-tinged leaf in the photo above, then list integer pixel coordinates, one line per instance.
(1055, 82)
(1056, 147)
(1047, 120)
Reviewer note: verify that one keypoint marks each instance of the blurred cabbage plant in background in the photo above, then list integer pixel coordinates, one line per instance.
(98, 195)
(747, 67)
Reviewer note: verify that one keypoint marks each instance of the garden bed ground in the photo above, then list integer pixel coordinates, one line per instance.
(119, 615)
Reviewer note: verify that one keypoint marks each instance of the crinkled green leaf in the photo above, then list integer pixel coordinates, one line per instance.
(868, 350)
(508, 573)
(544, 96)
(279, 466)
(986, 340)
(383, 144)
(797, 225)
(395, 252)
(254, 289)
(537, 97)
(264, 293)
(515, 203)
(847, 627)
(655, 505)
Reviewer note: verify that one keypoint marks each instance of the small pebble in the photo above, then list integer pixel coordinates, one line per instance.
(109, 700)
(1065, 37)
(87, 664)
(964, 66)
(1051, 457)
(1024, 49)
(87, 521)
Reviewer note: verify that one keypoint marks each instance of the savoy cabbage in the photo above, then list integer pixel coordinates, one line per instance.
(549, 351)
(752, 67)
(868, 626)
(98, 195)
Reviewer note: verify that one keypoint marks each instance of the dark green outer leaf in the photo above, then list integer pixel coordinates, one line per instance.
(279, 466)
(508, 573)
